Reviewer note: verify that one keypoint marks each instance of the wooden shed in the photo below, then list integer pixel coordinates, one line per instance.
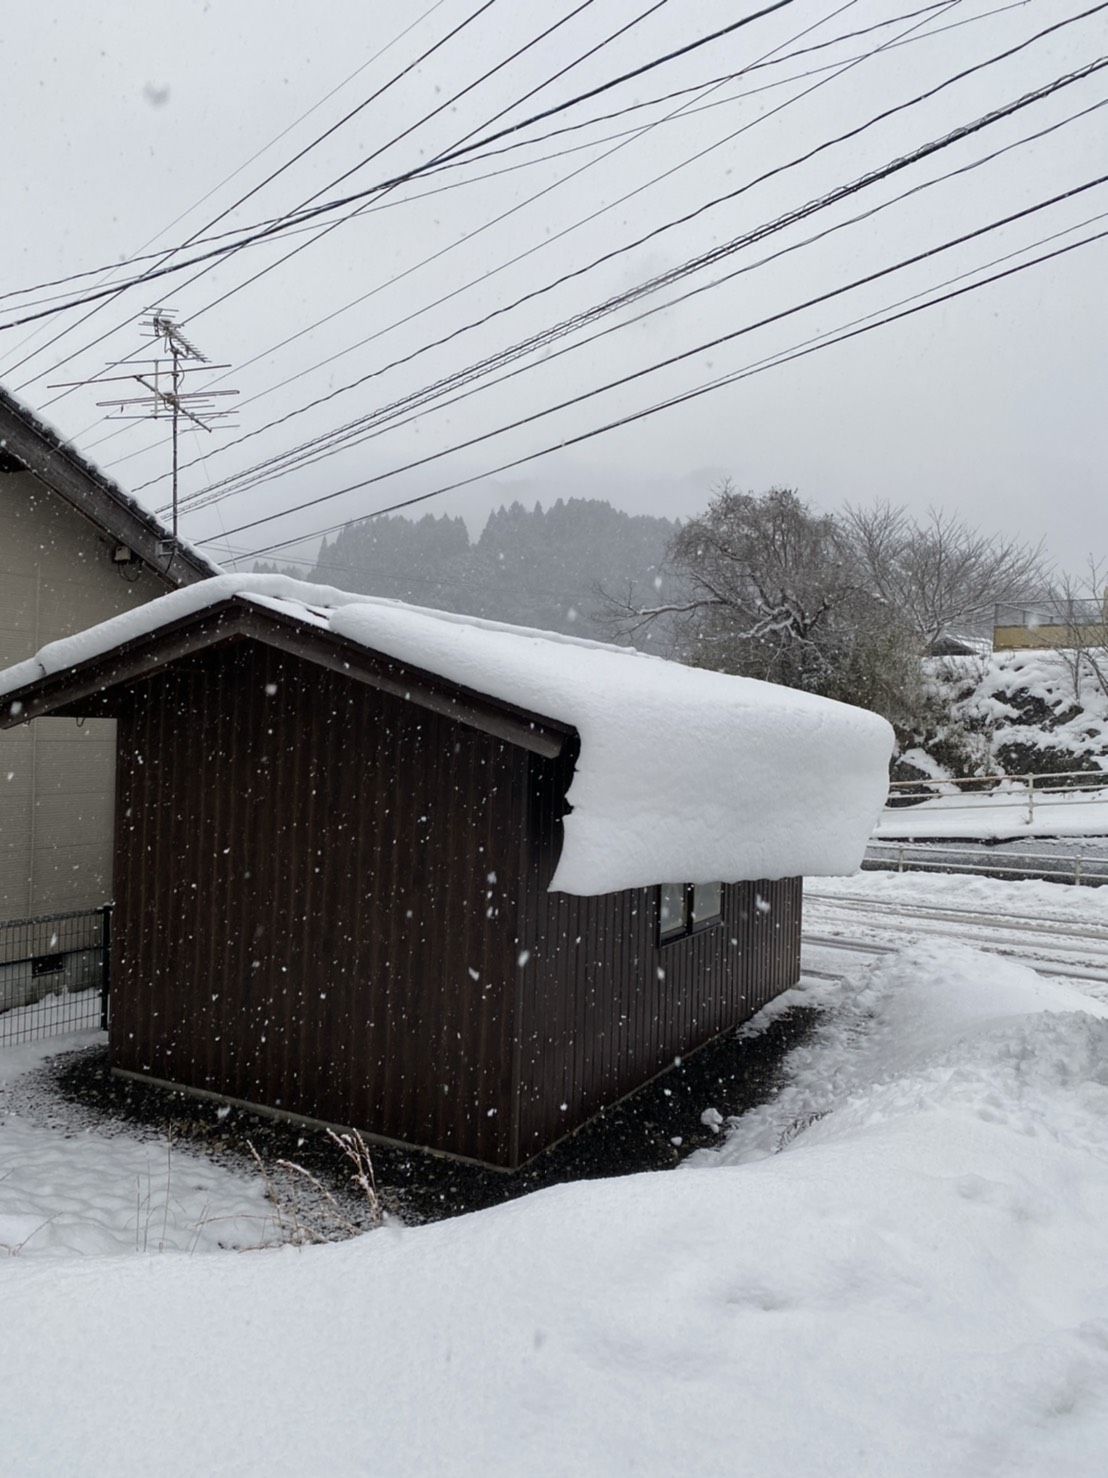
(333, 888)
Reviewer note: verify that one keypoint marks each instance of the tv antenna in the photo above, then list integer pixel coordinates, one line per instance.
(164, 396)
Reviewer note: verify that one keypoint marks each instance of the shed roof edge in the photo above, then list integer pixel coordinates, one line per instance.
(237, 617)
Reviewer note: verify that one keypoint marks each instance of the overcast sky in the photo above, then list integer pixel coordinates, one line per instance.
(132, 128)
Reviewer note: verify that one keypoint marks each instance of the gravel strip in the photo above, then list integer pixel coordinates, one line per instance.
(653, 1129)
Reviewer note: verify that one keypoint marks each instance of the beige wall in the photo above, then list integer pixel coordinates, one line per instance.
(1009, 638)
(57, 778)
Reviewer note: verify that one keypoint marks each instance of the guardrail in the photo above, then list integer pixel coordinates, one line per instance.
(933, 857)
(990, 792)
(54, 974)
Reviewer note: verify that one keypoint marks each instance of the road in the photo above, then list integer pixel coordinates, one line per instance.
(841, 932)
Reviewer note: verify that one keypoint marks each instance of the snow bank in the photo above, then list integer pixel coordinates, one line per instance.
(897, 1268)
(684, 775)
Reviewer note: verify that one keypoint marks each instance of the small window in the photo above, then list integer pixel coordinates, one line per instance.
(671, 914)
(707, 902)
(684, 908)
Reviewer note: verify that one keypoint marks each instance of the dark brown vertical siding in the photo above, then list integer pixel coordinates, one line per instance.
(604, 1008)
(335, 902)
(271, 848)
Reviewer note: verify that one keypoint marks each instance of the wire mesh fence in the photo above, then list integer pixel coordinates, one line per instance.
(54, 974)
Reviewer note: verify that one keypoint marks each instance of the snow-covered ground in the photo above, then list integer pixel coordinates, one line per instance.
(67, 1194)
(896, 1268)
(1029, 897)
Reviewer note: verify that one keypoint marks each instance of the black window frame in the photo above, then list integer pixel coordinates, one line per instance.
(688, 927)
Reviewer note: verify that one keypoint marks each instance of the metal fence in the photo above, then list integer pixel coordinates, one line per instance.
(953, 825)
(935, 857)
(54, 974)
(1048, 612)
(1025, 793)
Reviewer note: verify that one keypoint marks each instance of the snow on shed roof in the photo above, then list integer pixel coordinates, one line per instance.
(684, 775)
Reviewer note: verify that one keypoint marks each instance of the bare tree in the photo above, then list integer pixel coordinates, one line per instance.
(1082, 606)
(773, 590)
(941, 575)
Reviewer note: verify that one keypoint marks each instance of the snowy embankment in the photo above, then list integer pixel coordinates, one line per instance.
(894, 1268)
(1009, 713)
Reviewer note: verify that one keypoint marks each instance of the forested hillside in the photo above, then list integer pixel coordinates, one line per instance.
(535, 567)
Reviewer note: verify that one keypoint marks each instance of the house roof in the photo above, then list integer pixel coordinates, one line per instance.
(28, 442)
(683, 775)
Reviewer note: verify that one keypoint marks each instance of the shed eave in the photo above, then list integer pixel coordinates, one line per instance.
(85, 689)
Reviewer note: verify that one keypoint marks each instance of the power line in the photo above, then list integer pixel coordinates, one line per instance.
(675, 359)
(433, 166)
(297, 217)
(534, 293)
(778, 356)
(326, 98)
(716, 384)
(118, 289)
(769, 61)
(758, 233)
(484, 277)
(698, 87)
(441, 107)
(110, 270)
(902, 39)
(449, 102)
(940, 4)
(142, 255)
(656, 5)
(389, 417)
(768, 361)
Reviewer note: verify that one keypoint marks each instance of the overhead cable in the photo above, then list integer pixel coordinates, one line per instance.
(730, 196)
(719, 383)
(114, 290)
(629, 108)
(789, 218)
(474, 379)
(296, 217)
(680, 357)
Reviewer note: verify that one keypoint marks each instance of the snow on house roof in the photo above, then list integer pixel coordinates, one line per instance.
(33, 443)
(684, 775)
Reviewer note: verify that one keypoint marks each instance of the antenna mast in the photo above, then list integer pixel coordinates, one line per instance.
(164, 394)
